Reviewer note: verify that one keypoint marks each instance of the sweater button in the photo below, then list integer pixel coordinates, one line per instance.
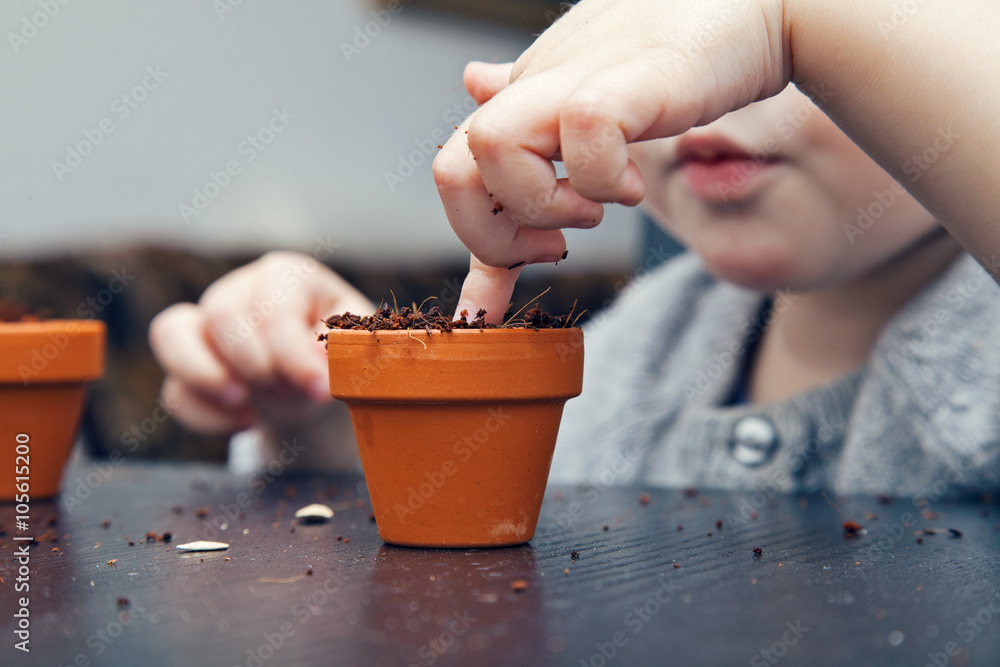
(754, 441)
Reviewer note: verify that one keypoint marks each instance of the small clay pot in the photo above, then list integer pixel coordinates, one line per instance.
(43, 368)
(456, 430)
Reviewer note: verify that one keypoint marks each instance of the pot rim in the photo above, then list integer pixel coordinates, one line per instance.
(408, 365)
(51, 351)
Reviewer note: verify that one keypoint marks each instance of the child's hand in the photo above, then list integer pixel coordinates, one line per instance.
(916, 89)
(247, 353)
(608, 73)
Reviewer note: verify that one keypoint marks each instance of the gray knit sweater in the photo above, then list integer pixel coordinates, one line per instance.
(920, 418)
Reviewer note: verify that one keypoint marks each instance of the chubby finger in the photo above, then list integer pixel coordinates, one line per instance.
(233, 323)
(177, 338)
(479, 218)
(200, 414)
(513, 139)
(484, 80)
(488, 288)
(300, 358)
(631, 101)
(595, 152)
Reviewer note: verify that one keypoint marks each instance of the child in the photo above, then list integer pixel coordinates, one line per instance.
(824, 332)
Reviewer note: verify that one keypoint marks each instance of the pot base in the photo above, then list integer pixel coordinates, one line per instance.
(458, 475)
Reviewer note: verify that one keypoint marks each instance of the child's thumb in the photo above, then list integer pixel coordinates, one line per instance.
(484, 80)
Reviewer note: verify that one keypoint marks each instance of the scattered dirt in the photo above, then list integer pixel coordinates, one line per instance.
(852, 528)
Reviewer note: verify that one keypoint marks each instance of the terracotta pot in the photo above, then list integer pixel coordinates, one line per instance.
(43, 368)
(456, 430)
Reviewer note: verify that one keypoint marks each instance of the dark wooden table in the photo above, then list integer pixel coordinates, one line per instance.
(610, 579)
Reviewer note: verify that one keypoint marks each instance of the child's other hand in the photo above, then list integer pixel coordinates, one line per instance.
(247, 352)
(608, 73)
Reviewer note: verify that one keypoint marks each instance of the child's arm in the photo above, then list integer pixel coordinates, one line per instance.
(246, 355)
(919, 91)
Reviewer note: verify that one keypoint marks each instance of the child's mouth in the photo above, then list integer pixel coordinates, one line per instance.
(717, 170)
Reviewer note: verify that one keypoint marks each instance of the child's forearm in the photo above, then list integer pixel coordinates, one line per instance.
(917, 85)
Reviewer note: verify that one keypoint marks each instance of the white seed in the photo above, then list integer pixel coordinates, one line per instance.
(203, 546)
(314, 513)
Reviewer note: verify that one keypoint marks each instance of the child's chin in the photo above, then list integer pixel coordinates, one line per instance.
(756, 274)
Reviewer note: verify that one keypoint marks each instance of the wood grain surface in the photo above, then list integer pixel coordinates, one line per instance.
(608, 579)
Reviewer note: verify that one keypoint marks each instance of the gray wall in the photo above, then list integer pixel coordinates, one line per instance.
(221, 78)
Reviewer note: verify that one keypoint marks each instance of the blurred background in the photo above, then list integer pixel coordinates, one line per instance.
(151, 147)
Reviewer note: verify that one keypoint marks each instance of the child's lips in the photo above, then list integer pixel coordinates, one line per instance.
(718, 170)
(727, 179)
